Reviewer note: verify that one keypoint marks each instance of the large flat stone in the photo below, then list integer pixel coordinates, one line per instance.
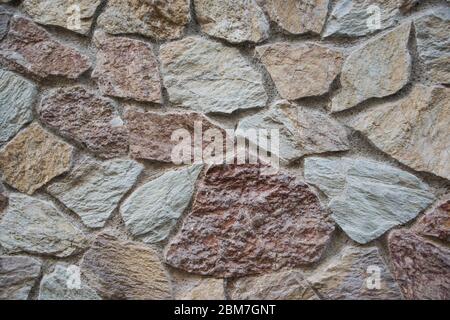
(17, 276)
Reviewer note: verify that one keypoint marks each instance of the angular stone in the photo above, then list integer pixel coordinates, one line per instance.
(161, 20)
(93, 189)
(244, 222)
(367, 197)
(301, 70)
(36, 226)
(302, 131)
(413, 130)
(190, 287)
(16, 104)
(87, 118)
(436, 224)
(125, 270)
(17, 276)
(421, 267)
(196, 77)
(355, 274)
(379, 68)
(126, 68)
(28, 48)
(33, 158)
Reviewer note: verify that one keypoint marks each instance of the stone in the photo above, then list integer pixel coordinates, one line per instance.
(33, 158)
(356, 273)
(16, 104)
(153, 209)
(161, 20)
(191, 287)
(303, 70)
(30, 49)
(120, 270)
(436, 224)
(127, 68)
(5, 16)
(302, 131)
(283, 285)
(93, 189)
(367, 198)
(76, 16)
(3, 198)
(58, 285)
(17, 276)
(380, 68)
(87, 118)
(236, 21)
(244, 222)
(421, 267)
(37, 227)
(413, 130)
(207, 76)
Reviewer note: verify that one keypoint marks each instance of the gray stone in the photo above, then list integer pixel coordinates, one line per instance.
(17, 276)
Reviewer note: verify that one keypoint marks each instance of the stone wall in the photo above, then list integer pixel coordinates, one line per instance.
(92, 207)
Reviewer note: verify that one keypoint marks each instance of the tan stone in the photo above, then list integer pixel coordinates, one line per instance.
(191, 287)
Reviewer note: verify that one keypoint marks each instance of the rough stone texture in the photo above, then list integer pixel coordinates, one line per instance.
(3, 198)
(233, 20)
(413, 130)
(301, 70)
(243, 222)
(127, 68)
(379, 68)
(125, 270)
(302, 131)
(36, 226)
(351, 276)
(93, 189)
(209, 77)
(4, 23)
(436, 224)
(152, 210)
(367, 198)
(33, 158)
(161, 20)
(28, 48)
(190, 287)
(17, 276)
(421, 267)
(87, 118)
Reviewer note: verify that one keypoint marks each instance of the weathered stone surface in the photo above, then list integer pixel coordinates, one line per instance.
(87, 118)
(77, 15)
(33, 158)
(356, 274)
(301, 70)
(436, 224)
(191, 287)
(378, 69)
(161, 20)
(3, 198)
(16, 104)
(283, 285)
(233, 20)
(152, 210)
(28, 48)
(59, 285)
(367, 197)
(93, 189)
(17, 276)
(127, 68)
(413, 130)
(209, 77)
(421, 268)
(125, 270)
(244, 222)
(36, 226)
(4, 23)
(302, 131)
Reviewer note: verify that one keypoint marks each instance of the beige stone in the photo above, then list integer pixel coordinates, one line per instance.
(191, 287)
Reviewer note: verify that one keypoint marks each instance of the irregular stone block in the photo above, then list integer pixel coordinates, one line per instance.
(17, 276)
(190, 287)
(436, 224)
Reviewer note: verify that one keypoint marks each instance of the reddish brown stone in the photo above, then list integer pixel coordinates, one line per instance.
(89, 119)
(437, 223)
(28, 48)
(244, 222)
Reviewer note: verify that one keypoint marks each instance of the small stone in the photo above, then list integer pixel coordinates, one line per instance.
(378, 69)
(33, 158)
(207, 76)
(87, 118)
(125, 270)
(36, 226)
(93, 189)
(17, 276)
(436, 224)
(301, 70)
(190, 287)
